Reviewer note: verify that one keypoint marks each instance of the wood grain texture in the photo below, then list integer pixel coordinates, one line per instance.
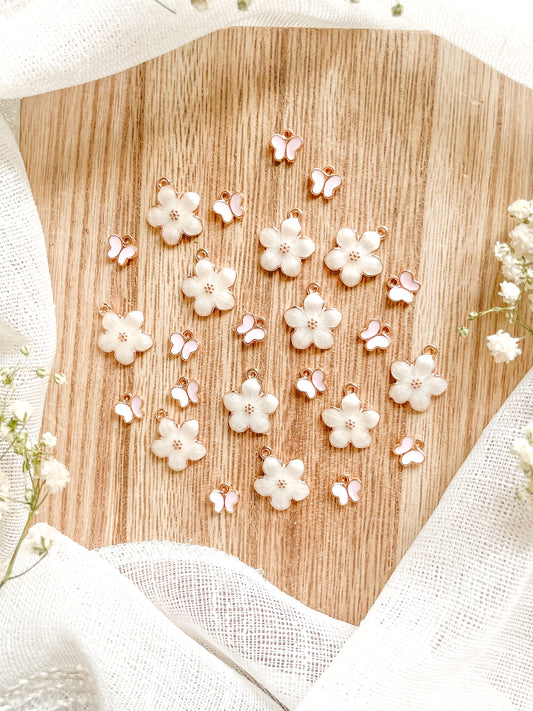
(431, 142)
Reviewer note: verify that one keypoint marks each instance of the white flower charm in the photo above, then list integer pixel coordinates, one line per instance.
(250, 409)
(210, 288)
(123, 335)
(175, 215)
(177, 443)
(354, 256)
(416, 383)
(312, 324)
(285, 248)
(281, 482)
(350, 424)
(503, 347)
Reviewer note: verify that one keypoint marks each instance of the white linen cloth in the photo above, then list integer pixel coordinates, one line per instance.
(164, 626)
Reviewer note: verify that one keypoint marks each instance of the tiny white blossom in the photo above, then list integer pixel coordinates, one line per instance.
(59, 378)
(520, 210)
(528, 432)
(55, 475)
(4, 494)
(21, 410)
(501, 250)
(25, 350)
(509, 292)
(42, 372)
(512, 269)
(521, 241)
(5, 432)
(503, 347)
(523, 449)
(40, 538)
(49, 440)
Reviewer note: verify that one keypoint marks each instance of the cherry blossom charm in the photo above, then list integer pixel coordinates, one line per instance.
(250, 409)
(350, 424)
(410, 451)
(123, 335)
(313, 323)
(186, 392)
(354, 256)
(183, 344)
(210, 288)
(177, 443)
(224, 499)
(129, 408)
(121, 249)
(416, 383)
(346, 490)
(175, 215)
(281, 482)
(403, 288)
(325, 182)
(311, 383)
(229, 207)
(285, 146)
(285, 248)
(251, 329)
(376, 335)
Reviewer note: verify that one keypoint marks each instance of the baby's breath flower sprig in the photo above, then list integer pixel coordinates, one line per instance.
(516, 258)
(44, 473)
(523, 449)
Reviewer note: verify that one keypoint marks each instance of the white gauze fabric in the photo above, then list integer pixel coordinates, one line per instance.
(161, 626)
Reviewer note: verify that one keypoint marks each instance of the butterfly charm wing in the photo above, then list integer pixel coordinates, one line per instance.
(293, 145)
(318, 380)
(331, 185)
(180, 394)
(230, 500)
(251, 332)
(217, 499)
(193, 391)
(124, 410)
(127, 253)
(354, 487)
(115, 245)
(340, 492)
(305, 386)
(247, 323)
(235, 204)
(137, 406)
(318, 180)
(414, 456)
(222, 208)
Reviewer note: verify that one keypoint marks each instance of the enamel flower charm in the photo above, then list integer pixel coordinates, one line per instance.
(416, 384)
(285, 248)
(123, 335)
(210, 288)
(313, 323)
(177, 443)
(350, 424)
(250, 409)
(175, 215)
(281, 482)
(354, 256)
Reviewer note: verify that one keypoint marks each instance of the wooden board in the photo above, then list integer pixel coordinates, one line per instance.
(431, 143)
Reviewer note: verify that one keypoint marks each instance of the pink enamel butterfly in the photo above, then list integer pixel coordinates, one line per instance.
(121, 249)
(185, 392)
(229, 207)
(285, 146)
(311, 382)
(376, 335)
(129, 408)
(252, 329)
(223, 499)
(403, 288)
(410, 451)
(325, 182)
(183, 344)
(346, 490)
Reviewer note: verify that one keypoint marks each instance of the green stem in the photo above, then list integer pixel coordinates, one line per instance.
(19, 544)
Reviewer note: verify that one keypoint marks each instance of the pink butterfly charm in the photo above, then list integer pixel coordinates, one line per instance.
(129, 408)
(229, 207)
(121, 249)
(410, 451)
(285, 146)
(224, 499)
(252, 329)
(346, 490)
(403, 288)
(376, 335)
(183, 344)
(311, 382)
(185, 392)
(325, 182)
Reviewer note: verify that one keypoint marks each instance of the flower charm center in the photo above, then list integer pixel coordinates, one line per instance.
(284, 248)
(123, 337)
(282, 484)
(174, 215)
(248, 408)
(177, 444)
(350, 424)
(312, 323)
(209, 288)
(354, 256)
(416, 383)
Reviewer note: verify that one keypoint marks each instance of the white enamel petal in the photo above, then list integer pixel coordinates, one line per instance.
(171, 233)
(322, 338)
(224, 299)
(291, 264)
(251, 389)
(304, 247)
(360, 438)
(336, 259)
(168, 198)
(299, 490)
(435, 385)
(330, 318)
(142, 341)
(313, 305)
(401, 370)
(302, 338)
(280, 500)
(296, 317)
(420, 400)
(157, 216)
(269, 403)
(352, 273)
(187, 203)
(369, 241)
(259, 423)
(233, 401)
(271, 260)
(190, 225)
(192, 287)
(333, 417)
(225, 278)
(265, 486)
(400, 392)
(371, 265)
(204, 304)
(239, 421)
(107, 342)
(339, 437)
(347, 239)
(270, 238)
(291, 227)
(134, 320)
(125, 353)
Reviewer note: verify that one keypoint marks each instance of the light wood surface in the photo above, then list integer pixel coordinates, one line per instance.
(431, 143)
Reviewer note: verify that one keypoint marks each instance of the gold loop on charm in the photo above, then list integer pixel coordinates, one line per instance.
(392, 281)
(104, 309)
(350, 389)
(344, 480)
(162, 412)
(430, 350)
(187, 335)
(260, 322)
(127, 239)
(306, 373)
(202, 254)
(183, 382)
(128, 397)
(329, 170)
(288, 134)
(386, 328)
(383, 232)
(295, 212)
(225, 195)
(162, 183)
(313, 288)
(418, 443)
(265, 452)
(223, 488)
(252, 373)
